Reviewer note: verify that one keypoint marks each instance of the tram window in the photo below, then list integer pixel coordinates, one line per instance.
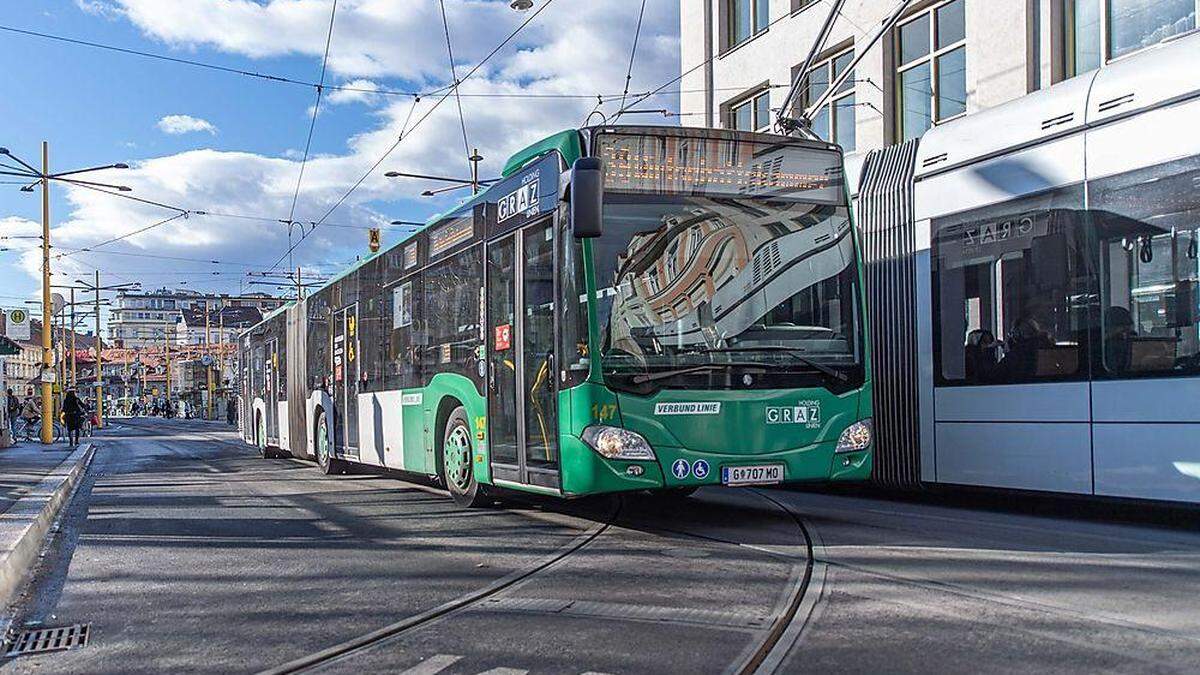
(1011, 292)
(1148, 224)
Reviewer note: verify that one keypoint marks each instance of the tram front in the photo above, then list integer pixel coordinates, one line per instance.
(726, 316)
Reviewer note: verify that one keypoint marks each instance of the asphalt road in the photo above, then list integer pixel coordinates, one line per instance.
(187, 552)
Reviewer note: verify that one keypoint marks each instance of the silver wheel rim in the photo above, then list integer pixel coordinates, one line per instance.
(458, 458)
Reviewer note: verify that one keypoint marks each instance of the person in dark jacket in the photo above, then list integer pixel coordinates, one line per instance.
(74, 412)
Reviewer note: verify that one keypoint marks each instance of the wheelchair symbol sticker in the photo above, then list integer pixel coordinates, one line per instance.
(700, 469)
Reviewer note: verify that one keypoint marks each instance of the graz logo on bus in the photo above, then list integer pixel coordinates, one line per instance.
(807, 413)
(523, 199)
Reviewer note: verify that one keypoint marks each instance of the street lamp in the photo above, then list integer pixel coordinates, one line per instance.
(28, 172)
(521, 5)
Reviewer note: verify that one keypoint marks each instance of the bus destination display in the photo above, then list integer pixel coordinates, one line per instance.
(710, 166)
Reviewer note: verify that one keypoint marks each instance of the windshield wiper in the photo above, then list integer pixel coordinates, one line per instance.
(665, 374)
(792, 352)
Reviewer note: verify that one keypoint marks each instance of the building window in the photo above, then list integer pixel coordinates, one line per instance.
(1098, 31)
(745, 19)
(835, 120)
(931, 73)
(752, 113)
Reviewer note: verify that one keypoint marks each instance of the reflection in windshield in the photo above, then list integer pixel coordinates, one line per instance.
(685, 280)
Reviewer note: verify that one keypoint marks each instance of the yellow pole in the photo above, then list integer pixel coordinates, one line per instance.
(208, 408)
(99, 363)
(167, 352)
(47, 389)
(221, 357)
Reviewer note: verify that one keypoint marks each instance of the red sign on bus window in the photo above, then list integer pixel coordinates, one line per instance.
(503, 337)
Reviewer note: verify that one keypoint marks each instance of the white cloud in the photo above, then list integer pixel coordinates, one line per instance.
(356, 91)
(184, 124)
(571, 49)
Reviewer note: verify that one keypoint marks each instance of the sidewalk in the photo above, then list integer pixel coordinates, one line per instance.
(36, 482)
(24, 465)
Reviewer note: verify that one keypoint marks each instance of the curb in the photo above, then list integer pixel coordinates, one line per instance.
(23, 528)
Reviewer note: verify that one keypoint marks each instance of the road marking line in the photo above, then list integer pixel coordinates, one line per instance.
(433, 665)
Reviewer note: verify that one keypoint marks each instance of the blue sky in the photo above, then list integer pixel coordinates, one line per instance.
(99, 107)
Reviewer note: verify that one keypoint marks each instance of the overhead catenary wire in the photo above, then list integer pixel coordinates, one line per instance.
(659, 89)
(124, 236)
(416, 124)
(632, 54)
(382, 91)
(283, 79)
(462, 120)
(311, 125)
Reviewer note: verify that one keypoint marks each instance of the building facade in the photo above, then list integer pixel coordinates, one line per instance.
(945, 59)
(221, 326)
(148, 319)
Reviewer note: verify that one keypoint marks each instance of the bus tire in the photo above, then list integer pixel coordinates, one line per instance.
(457, 455)
(326, 462)
(675, 492)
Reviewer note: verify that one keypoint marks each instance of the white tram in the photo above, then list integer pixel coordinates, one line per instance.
(1035, 289)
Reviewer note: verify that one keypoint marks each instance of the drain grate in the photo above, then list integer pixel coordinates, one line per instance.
(41, 640)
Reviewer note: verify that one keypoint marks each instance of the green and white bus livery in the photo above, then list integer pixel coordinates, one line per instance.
(628, 308)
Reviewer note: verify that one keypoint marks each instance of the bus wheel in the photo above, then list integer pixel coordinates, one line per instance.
(675, 493)
(456, 462)
(325, 460)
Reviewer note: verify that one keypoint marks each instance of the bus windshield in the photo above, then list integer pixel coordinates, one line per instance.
(726, 267)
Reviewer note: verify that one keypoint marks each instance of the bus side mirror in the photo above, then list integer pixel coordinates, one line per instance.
(587, 197)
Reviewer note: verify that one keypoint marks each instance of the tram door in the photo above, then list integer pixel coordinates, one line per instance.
(345, 380)
(522, 393)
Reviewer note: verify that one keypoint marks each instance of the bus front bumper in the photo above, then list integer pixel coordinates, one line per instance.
(585, 472)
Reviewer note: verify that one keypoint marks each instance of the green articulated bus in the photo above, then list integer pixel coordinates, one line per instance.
(626, 308)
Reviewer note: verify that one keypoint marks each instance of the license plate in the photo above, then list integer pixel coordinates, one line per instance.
(758, 474)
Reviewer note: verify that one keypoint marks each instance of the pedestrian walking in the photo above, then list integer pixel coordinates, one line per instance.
(13, 406)
(74, 413)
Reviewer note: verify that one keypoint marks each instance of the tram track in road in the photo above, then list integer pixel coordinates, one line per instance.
(783, 635)
(768, 653)
(349, 647)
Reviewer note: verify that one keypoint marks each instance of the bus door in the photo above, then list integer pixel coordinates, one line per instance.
(272, 390)
(345, 380)
(522, 391)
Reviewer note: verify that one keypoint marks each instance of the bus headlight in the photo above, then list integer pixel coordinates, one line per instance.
(617, 443)
(857, 436)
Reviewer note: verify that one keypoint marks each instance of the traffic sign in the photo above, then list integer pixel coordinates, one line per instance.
(17, 325)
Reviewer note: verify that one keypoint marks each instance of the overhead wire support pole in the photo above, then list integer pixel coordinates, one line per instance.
(47, 387)
(99, 362)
